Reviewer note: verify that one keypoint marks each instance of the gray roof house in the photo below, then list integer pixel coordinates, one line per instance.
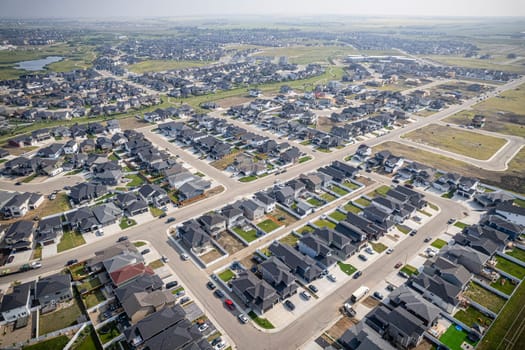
(341, 246)
(362, 337)
(53, 289)
(285, 195)
(138, 305)
(195, 238)
(213, 223)
(315, 248)
(266, 201)
(233, 215)
(82, 219)
(49, 230)
(154, 195)
(20, 235)
(107, 214)
(300, 264)
(255, 293)
(252, 210)
(17, 304)
(278, 275)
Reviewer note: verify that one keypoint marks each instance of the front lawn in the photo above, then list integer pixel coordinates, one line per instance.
(248, 236)
(262, 322)
(362, 202)
(409, 270)
(337, 216)
(248, 178)
(504, 285)
(346, 268)
(484, 297)
(327, 197)
(156, 264)
(517, 253)
(139, 244)
(378, 247)
(352, 208)
(268, 225)
(350, 185)
(439, 243)
(126, 222)
(453, 338)
(324, 223)
(226, 275)
(403, 229)
(136, 180)
(314, 202)
(108, 332)
(290, 239)
(338, 190)
(93, 299)
(78, 271)
(471, 315)
(380, 191)
(155, 211)
(304, 159)
(305, 229)
(460, 225)
(62, 318)
(510, 267)
(49, 344)
(69, 240)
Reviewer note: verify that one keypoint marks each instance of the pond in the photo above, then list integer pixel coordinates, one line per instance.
(34, 65)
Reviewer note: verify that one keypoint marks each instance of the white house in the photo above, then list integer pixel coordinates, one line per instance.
(71, 147)
(17, 304)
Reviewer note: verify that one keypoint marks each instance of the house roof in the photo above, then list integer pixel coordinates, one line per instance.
(155, 323)
(179, 335)
(130, 272)
(145, 299)
(17, 298)
(106, 213)
(52, 284)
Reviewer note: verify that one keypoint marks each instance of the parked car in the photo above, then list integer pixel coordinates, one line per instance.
(219, 346)
(331, 278)
(172, 284)
(164, 259)
(122, 238)
(403, 274)
(36, 265)
(71, 262)
(211, 285)
(313, 288)
(145, 251)
(170, 220)
(362, 257)
(289, 305)
(184, 256)
(203, 327)
(216, 341)
(357, 274)
(163, 215)
(390, 287)
(305, 295)
(428, 239)
(242, 318)
(398, 265)
(218, 293)
(389, 250)
(413, 232)
(451, 221)
(378, 295)
(185, 300)
(229, 304)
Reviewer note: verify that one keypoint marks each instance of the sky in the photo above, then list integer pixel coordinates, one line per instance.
(209, 8)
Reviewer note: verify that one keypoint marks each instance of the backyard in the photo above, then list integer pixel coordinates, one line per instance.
(484, 297)
(89, 284)
(327, 197)
(136, 180)
(510, 267)
(314, 202)
(517, 253)
(92, 299)
(62, 318)
(350, 185)
(305, 229)
(69, 240)
(362, 202)
(268, 225)
(338, 190)
(380, 191)
(49, 344)
(108, 332)
(324, 223)
(248, 236)
(282, 216)
(290, 239)
(454, 338)
(504, 285)
(352, 208)
(471, 315)
(337, 215)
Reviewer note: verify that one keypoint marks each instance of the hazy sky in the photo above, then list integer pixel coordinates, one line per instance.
(167, 8)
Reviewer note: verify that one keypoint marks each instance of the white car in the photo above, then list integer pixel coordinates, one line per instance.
(184, 256)
(36, 265)
(165, 259)
(331, 278)
(203, 327)
(389, 250)
(220, 346)
(242, 318)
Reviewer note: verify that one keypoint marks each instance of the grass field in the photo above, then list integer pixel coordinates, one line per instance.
(262, 322)
(380, 191)
(517, 253)
(136, 180)
(484, 297)
(156, 264)
(512, 179)
(314, 201)
(290, 239)
(327, 197)
(163, 65)
(470, 315)
(324, 223)
(309, 54)
(337, 215)
(126, 222)
(346, 268)
(248, 236)
(93, 299)
(305, 229)
(469, 62)
(59, 319)
(409, 270)
(70, 240)
(49, 344)
(89, 342)
(439, 243)
(155, 211)
(338, 190)
(108, 332)
(378, 246)
(352, 208)
(510, 267)
(350, 185)
(453, 338)
(467, 143)
(362, 202)
(268, 225)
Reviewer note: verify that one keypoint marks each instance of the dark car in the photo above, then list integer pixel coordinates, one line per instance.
(362, 257)
(172, 284)
(378, 295)
(398, 265)
(211, 285)
(289, 305)
(428, 239)
(451, 221)
(163, 215)
(170, 220)
(413, 232)
(18, 183)
(71, 262)
(218, 293)
(145, 251)
(358, 274)
(122, 239)
(390, 287)
(313, 288)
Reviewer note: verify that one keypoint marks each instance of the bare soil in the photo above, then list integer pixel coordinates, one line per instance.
(210, 256)
(229, 242)
(340, 327)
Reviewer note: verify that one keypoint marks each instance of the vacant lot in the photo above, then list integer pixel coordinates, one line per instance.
(341, 326)
(484, 297)
(281, 216)
(467, 143)
(290, 239)
(512, 179)
(229, 242)
(470, 62)
(163, 65)
(309, 54)
(210, 256)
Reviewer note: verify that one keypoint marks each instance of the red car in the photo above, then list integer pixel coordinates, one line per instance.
(229, 304)
(398, 265)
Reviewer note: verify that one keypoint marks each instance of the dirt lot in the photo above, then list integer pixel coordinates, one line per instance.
(288, 219)
(370, 302)
(365, 180)
(131, 123)
(9, 336)
(325, 124)
(248, 262)
(16, 151)
(223, 163)
(229, 242)
(233, 101)
(341, 326)
(210, 256)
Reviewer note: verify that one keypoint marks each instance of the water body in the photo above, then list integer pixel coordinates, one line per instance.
(38, 64)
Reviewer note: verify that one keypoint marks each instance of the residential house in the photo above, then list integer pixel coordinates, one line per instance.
(17, 304)
(340, 245)
(363, 337)
(213, 223)
(19, 235)
(82, 220)
(393, 163)
(267, 202)
(194, 237)
(316, 249)
(251, 209)
(141, 304)
(193, 189)
(233, 215)
(285, 195)
(467, 187)
(96, 263)
(257, 294)
(53, 289)
(154, 195)
(49, 230)
(278, 275)
(130, 203)
(107, 213)
(300, 264)
(129, 273)
(71, 147)
(511, 212)
(86, 192)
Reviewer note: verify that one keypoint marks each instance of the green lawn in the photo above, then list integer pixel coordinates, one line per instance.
(139, 244)
(262, 322)
(362, 202)
(324, 223)
(378, 246)
(113, 156)
(454, 338)
(305, 229)
(352, 208)
(433, 206)
(226, 275)
(470, 315)
(156, 264)
(89, 342)
(467, 143)
(30, 178)
(409, 270)
(448, 194)
(314, 201)
(290, 239)
(304, 159)
(460, 224)
(503, 285)
(510, 267)
(327, 197)
(346, 268)
(69, 240)
(89, 284)
(126, 222)
(62, 318)
(517, 253)
(439, 243)
(49, 344)
(337, 215)
(93, 299)
(74, 172)
(350, 185)
(268, 225)
(380, 191)
(136, 180)
(108, 332)
(156, 212)
(338, 190)
(426, 213)
(78, 271)
(403, 229)
(248, 236)
(484, 297)
(163, 65)
(519, 202)
(248, 178)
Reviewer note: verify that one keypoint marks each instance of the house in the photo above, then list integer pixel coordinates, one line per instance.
(49, 230)
(17, 206)
(478, 121)
(257, 294)
(107, 213)
(511, 212)
(291, 155)
(303, 208)
(154, 195)
(316, 249)
(285, 195)
(363, 152)
(179, 179)
(312, 181)
(87, 146)
(182, 335)
(251, 209)
(71, 147)
(278, 275)
(17, 304)
(19, 235)
(53, 289)
(363, 337)
(86, 192)
(129, 273)
(491, 199)
(117, 262)
(340, 245)
(130, 203)
(96, 263)
(503, 225)
(193, 189)
(232, 215)
(82, 220)
(113, 126)
(267, 202)
(213, 223)
(467, 187)
(393, 163)
(194, 237)
(298, 263)
(141, 304)
(379, 217)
